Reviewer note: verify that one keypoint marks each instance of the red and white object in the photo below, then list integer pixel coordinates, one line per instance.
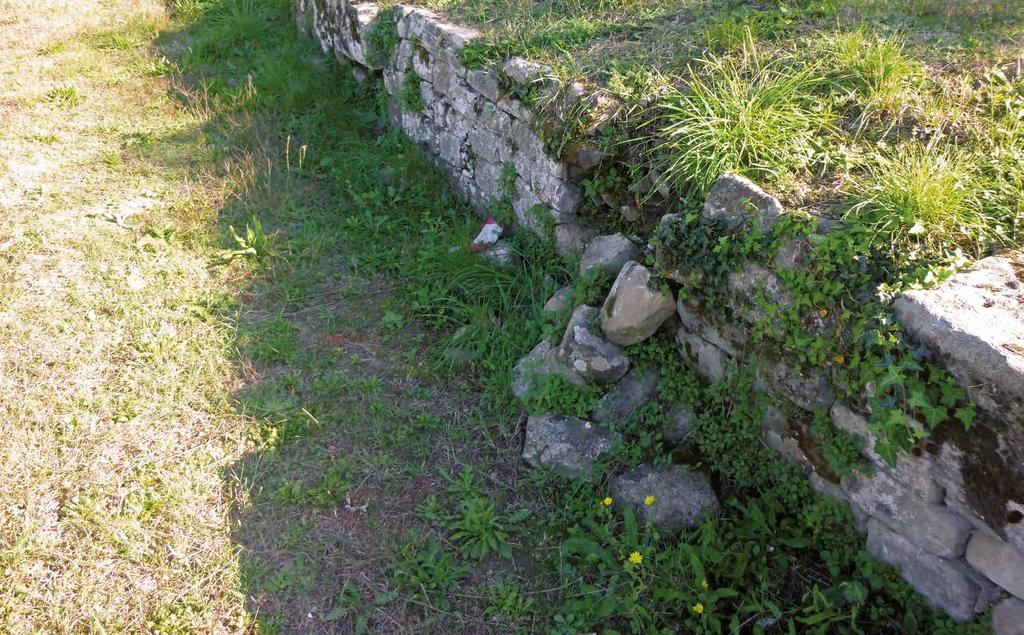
(489, 234)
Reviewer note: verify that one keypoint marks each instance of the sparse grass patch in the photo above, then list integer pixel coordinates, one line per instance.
(66, 96)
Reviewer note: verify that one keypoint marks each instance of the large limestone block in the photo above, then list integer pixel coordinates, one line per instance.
(1008, 617)
(975, 322)
(633, 311)
(944, 583)
(998, 560)
(933, 528)
(566, 445)
(680, 498)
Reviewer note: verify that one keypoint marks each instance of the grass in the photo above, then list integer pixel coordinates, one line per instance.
(253, 379)
(751, 117)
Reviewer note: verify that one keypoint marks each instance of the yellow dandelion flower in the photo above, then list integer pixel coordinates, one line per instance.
(704, 583)
(636, 558)
(607, 502)
(698, 608)
(839, 359)
(649, 500)
(823, 312)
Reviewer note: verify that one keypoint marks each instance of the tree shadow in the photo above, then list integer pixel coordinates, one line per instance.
(352, 427)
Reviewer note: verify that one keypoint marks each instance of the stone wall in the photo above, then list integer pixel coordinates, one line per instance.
(950, 513)
(469, 121)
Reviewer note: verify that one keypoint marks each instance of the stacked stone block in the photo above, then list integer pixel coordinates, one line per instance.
(485, 139)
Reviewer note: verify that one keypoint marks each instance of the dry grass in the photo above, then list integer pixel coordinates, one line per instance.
(114, 422)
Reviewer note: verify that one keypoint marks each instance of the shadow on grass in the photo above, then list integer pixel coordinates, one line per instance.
(353, 425)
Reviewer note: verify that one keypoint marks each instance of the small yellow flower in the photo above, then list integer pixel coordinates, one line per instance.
(839, 359)
(823, 312)
(636, 558)
(649, 500)
(607, 502)
(704, 583)
(698, 608)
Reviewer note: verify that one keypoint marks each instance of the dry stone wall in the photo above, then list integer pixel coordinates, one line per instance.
(469, 121)
(950, 513)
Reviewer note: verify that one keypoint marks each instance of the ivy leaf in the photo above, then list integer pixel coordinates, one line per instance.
(966, 416)
(919, 400)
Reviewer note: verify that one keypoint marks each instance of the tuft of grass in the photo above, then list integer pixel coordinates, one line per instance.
(922, 197)
(66, 96)
(876, 70)
(748, 116)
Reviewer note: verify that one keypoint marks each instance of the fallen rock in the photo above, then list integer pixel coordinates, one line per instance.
(737, 199)
(633, 311)
(559, 301)
(608, 254)
(998, 560)
(638, 388)
(541, 361)
(682, 498)
(944, 583)
(590, 356)
(1008, 617)
(566, 445)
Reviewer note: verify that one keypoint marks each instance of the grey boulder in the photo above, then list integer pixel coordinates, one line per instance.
(682, 498)
(638, 388)
(566, 445)
(608, 254)
(588, 355)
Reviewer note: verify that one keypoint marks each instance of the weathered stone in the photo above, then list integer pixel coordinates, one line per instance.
(942, 582)
(753, 285)
(633, 311)
(709, 360)
(1008, 617)
(975, 323)
(911, 470)
(998, 560)
(810, 389)
(680, 424)
(592, 357)
(725, 336)
(523, 71)
(736, 199)
(566, 445)
(501, 254)
(496, 120)
(484, 82)
(541, 361)
(571, 237)
(638, 388)
(608, 254)
(682, 498)
(933, 528)
(588, 158)
(559, 301)
(982, 473)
